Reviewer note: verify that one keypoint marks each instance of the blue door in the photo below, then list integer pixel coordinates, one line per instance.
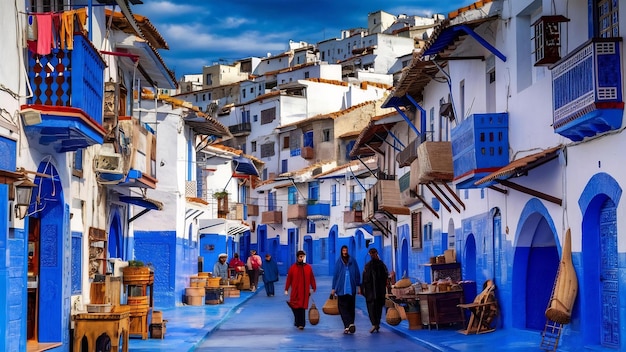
(609, 276)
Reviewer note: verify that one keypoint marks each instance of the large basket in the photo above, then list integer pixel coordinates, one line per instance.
(136, 275)
(314, 315)
(331, 306)
(393, 317)
(565, 287)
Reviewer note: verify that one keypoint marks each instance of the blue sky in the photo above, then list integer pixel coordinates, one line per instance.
(204, 32)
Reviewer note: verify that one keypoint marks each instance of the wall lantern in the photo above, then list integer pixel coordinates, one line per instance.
(23, 192)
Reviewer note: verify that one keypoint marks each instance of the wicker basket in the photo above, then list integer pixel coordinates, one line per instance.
(331, 306)
(314, 314)
(213, 282)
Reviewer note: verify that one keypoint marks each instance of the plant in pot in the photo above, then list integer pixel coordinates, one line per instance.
(135, 271)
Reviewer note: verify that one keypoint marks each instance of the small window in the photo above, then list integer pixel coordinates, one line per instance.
(77, 163)
(286, 142)
(334, 195)
(253, 146)
(428, 232)
(326, 137)
(255, 118)
(310, 227)
(416, 230)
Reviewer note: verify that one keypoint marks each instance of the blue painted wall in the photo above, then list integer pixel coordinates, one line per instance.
(163, 252)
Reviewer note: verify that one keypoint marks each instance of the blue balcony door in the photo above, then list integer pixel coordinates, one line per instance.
(308, 139)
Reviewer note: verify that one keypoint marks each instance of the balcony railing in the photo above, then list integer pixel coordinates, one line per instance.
(587, 90)
(237, 212)
(253, 210)
(68, 90)
(383, 196)
(318, 211)
(296, 212)
(480, 146)
(307, 153)
(70, 78)
(272, 217)
(352, 216)
(240, 129)
(433, 164)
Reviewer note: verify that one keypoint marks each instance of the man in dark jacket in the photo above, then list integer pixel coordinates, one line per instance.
(270, 274)
(346, 285)
(374, 288)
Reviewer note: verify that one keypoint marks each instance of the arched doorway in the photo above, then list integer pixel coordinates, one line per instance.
(332, 250)
(308, 249)
(535, 264)
(116, 235)
(601, 299)
(469, 258)
(49, 232)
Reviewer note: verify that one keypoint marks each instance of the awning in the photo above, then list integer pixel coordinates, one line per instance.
(521, 166)
(222, 227)
(147, 203)
(451, 34)
(372, 137)
(207, 126)
(243, 167)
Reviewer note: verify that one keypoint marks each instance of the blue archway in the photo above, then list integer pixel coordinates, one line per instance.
(598, 203)
(116, 236)
(535, 263)
(332, 250)
(469, 258)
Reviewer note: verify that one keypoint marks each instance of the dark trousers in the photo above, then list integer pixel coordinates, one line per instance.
(254, 277)
(375, 310)
(299, 316)
(347, 306)
(269, 288)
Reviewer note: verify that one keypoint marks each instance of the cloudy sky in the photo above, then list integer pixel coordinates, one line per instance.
(204, 32)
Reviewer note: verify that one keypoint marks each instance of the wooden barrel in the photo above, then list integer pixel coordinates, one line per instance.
(213, 282)
(136, 300)
(565, 287)
(197, 281)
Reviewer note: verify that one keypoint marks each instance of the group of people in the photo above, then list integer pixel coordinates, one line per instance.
(346, 285)
(254, 266)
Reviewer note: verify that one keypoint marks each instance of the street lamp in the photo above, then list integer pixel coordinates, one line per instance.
(23, 192)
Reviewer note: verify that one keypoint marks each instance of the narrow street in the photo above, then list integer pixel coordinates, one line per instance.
(266, 324)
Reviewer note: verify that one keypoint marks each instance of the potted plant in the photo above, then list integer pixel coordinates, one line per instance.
(136, 271)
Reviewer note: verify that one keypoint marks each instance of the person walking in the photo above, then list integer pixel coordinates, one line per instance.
(301, 280)
(374, 288)
(220, 269)
(270, 274)
(253, 264)
(346, 285)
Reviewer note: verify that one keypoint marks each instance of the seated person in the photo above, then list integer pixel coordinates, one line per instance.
(220, 269)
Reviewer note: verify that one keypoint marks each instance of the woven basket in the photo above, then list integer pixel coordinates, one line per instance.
(331, 306)
(393, 317)
(314, 314)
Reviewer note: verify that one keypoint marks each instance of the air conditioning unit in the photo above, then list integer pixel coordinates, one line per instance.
(108, 166)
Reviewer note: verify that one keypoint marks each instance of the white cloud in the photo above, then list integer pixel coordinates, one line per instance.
(234, 22)
(161, 8)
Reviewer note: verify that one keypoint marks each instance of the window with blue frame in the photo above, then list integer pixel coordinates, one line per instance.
(334, 195)
(314, 192)
(310, 226)
(349, 147)
(293, 195)
(308, 139)
(271, 201)
(77, 163)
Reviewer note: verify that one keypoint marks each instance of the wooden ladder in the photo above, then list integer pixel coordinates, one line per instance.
(551, 336)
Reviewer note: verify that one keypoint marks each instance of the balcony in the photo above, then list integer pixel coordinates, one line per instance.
(65, 111)
(237, 211)
(318, 211)
(407, 193)
(587, 90)
(138, 145)
(253, 210)
(480, 146)
(240, 129)
(307, 153)
(272, 217)
(383, 197)
(433, 164)
(296, 212)
(352, 216)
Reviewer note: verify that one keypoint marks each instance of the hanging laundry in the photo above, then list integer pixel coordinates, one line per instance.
(67, 30)
(31, 29)
(43, 44)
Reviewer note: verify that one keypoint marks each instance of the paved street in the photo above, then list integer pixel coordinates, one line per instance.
(266, 324)
(255, 321)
